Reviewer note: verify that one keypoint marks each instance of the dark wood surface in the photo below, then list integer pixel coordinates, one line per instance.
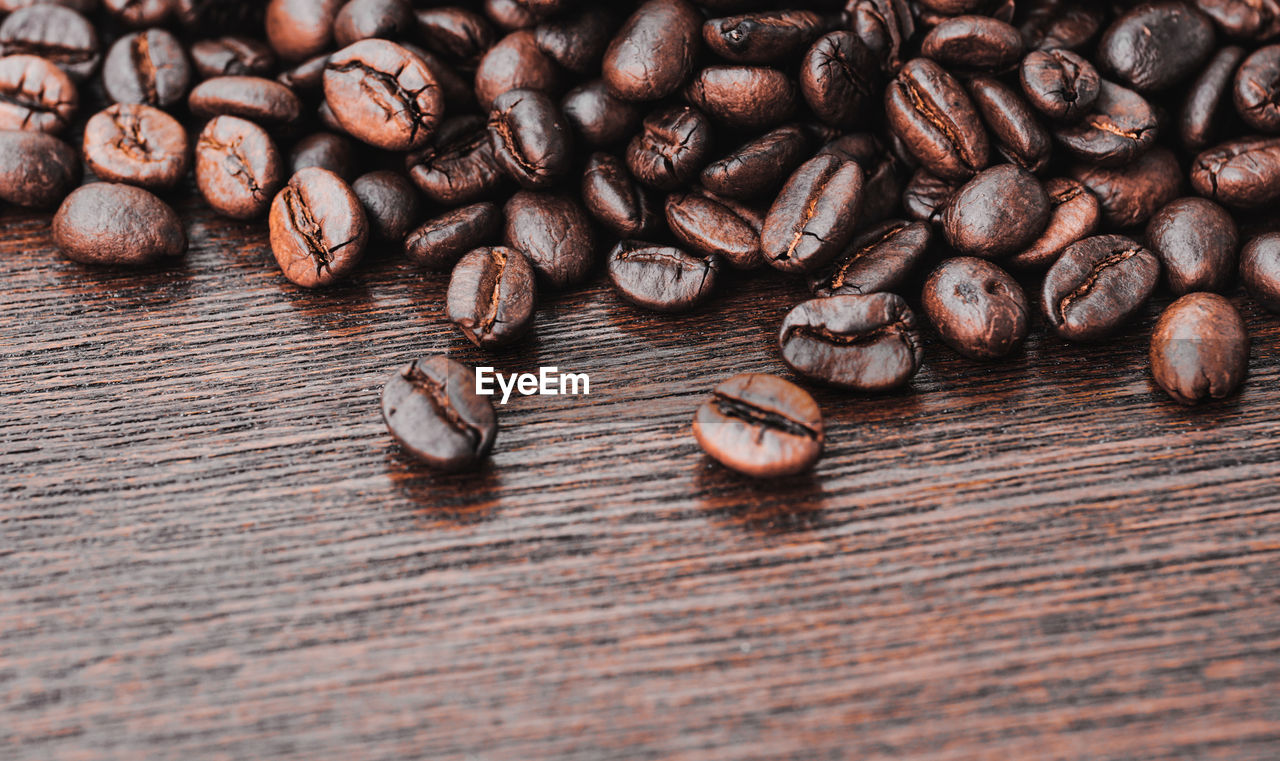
(211, 549)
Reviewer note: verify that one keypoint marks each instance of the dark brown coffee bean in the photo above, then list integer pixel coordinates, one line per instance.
(882, 185)
(652, 55)
(35, 95)
(976, 307)
(1120, 127)
(1196, 241)
(1156, 45)
(935, 119)
(325, 150)
(530, 140)
(440, 242)
(368, 19)
(1097, 285)
(839, 79)
(973, 43)
(509, 15)
(884, 26)
(661, 278)
(759, 166)
(554, 233)
(147, 67)
(433, 411)
(136, 144)
(390, 203)
(115, 224)
(140, 13)
(307, 77)
(925, 197)
(599, 117)
(1199, 350)
(1129, 195)
(57, 34)
(263, 101)
(232, 57)
(714, 226)
(762, 37)
(1017, 133)
(300, 29)
(383, 95)
(238, 167)
(745, 97)
(615, 199)
(36, 170)
(671, 149)
(1241, 173)
(1260, 269)
(879, 259)
(515, 63)
(997, 213)
(1054, 24)
(459, 34)
(859, 342)
(459, 167)
(760, 425)
(1244, 19)
(1256, 89)
(1200, 111)
(1060, 84)
(491, 296)
(318, 228)
(577, 41)
(814, 216)
(1074, 214)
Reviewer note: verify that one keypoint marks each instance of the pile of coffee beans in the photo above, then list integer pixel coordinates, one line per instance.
(917, 164)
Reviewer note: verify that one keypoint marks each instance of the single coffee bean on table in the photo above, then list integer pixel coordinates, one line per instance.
(597, 116)
(653, 53)
(880, 259)
(671, 148)
(136, 144)
(491, 296)
(432, 410)
(762, 36)
(36, 170)
(459, 166)
(114, 224)
(997, 213)
(758, 166)
(859, 342)
(318, 228)
(743, 97)
(1200, 349)
(238, 167)
(761, 426)
(232, 57)
(713, 226)
(262, 101)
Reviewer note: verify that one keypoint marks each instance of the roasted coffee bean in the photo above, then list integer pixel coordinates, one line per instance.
(390, 203)
(882, 182)
(307, 77)
(114, 224)
(858, 342)
(744, 97)
(263, 101)
(1074, 213)
(839, 79)
(491, 296)
(1156, 45)
(325, 150)
(1097, 285)
(879, 259)
(652, 55)
(1242, 173)
(458, 92)
(884, 26)
(554, 233)
(615, 199)
(814, 216)
(36, 170)
(35, 95)
(1129, 195)
(459, 34)
(300, 29)
(973, 43)
(976, 307)
(935, 119)
(57, 34)
(365, 19)
(761, 426)
(1054, 24)
(1060, 84)
(997, 213)
(1120, 127)
(762, 37)
(509, 15)
(459, 167)
(661, 278)
(1018, 134)
(232, 57)
(1197, 122)
(1243, 19)
(671, 149)
(577, 41)
(147, 67)
(238, 167)
(1256, 90)
(138, 145)
(318, 228)
(433, 411)
(530, 141)
(599, 117)
(440, 242)
(1260, 269)
(515, 63)
(758, 166)
(925, 197)
(1199, 350)
(716, 226)
(383, 95)
(140, 13)
(1196, 241)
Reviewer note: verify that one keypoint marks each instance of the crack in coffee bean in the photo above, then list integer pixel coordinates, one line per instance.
(765, 420)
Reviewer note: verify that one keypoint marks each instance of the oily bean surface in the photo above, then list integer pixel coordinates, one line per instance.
(976, 307)
(760, 425)
(115, 224)
(1199, 349)
(1097, 285)
(438, 243)
(432, 409)
(491, 296)
(318, 228)
(853, 341)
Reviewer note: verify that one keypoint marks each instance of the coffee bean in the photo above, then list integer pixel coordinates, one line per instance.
(925, 197)
(1120, 127)
(515, 63)
(884, 26)
(509, 15)
(263, 101)
(459, 167)
(1199, 350)
(318, 228)
(1201, 110)
(233, 57)
(758, 166)
(113, 224)
(1242, 173)
(1074, 213)
(1257, 89)
(859, 342)
(935, 119)
(997, 213)
(1060, 84)
(1260, 269)
(1242, 19)
(383, 95)
(238, 167)
(671, 148)
(491, 296)
(390, 204)
(839, 79)
(147, 67)
(744, 97)
(596, 115)
(300, 29)
(433, 411)
(1196, 241)
(652, 55)
(973, 43)
(57, 34)
(661, 278)
(717, 226)
(440, 242)
(879, 259)
(814, 216)
(1097, 285)
(761, 426)
(554, 233)
(530, 141)
(140, 13)
(138, 145)
(577, 41)
(325, 150)
(305, 78)
(1131, 194)
(976, 307)
(366, 19)
(762, 37)
(1055, 25)
(1014, 126)
(1156, 45)
(615, 199)
(35, 95)
(459, 34)
(882, 186)
(36, 170)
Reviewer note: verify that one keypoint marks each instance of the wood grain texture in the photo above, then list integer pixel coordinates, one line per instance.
(211, 549)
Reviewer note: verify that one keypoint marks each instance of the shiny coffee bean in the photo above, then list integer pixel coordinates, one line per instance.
(1060, 84)
(35, 95)
(390, 204)
(652, 55)
(1243, 19)
(36, 170)
(1260, 269)
(1017, 133)
(114, 224)
(238, 167)
(997, 213)
(491, 296)
(839, 79)
(57, 34)
(232, 57)
(743, 97)
(307, 77)
(884, 26)
(459, 166)
(599, 117)
(882, 182)
(318, 228)
(1052, 24)
(1209, 96)
(367, 19)
(577, 41)
(814, 216)
(1097, 285)
(716, 227)
(1130, 194)
(934, 118)
(925, 196)
(759, 166)
(1242, 173)
(325, 150)
(300, 29)
(976, 307)
(554, 233)
(858, 342)
(1156, 45)
(263, 101)
(147, 67)
(973, 43)
(1256, 89)
(762, 37)
(438, 243)
(515, 63)
(1199, 350)
(383, 95)
(433, 411)
(661, 278)
(880, 259)
(1196, 241)
(459, 34)
(615, 199)
(138, 145)
(1074, 213)
(672, 147)
(761, 426)
(1120, 127)
(530, 141)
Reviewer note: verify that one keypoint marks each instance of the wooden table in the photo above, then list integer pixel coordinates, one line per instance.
(211, 549)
